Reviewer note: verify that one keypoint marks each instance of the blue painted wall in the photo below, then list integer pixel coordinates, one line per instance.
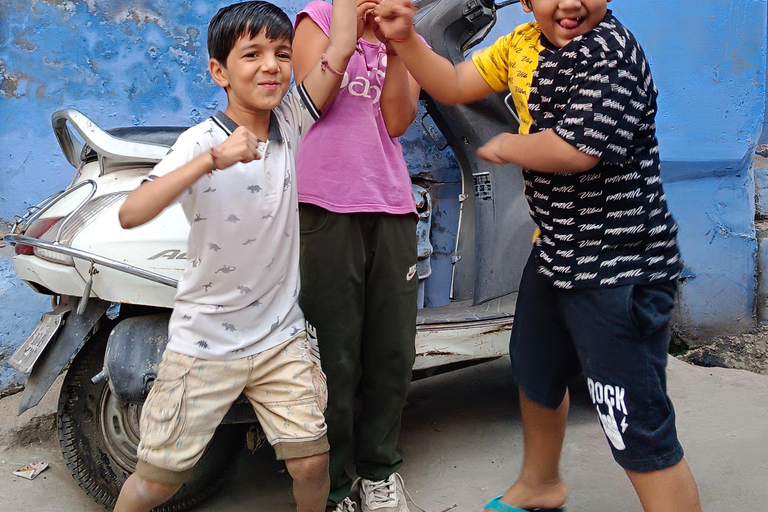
(764, 135)
(708, 59)
(144, 63)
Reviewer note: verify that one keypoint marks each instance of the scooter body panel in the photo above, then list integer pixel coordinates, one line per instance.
(38, 272)
(495, 228)
(159, 246)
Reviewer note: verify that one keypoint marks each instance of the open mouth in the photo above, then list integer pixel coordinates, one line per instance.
(571, 23)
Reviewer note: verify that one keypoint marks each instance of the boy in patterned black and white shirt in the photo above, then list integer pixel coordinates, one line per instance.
(236, 325)
(597, 292)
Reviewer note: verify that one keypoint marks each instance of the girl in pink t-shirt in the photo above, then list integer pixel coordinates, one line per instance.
(358, 252)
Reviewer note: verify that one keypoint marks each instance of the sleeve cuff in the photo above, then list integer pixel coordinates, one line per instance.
(307, 101)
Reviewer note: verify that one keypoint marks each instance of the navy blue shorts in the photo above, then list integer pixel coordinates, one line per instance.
(619, 337)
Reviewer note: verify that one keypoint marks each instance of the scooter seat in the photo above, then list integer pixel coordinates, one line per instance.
(163, 135)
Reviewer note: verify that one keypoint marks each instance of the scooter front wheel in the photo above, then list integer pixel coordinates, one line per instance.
(99, 435)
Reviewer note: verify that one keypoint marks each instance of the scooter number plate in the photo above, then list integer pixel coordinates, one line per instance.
(29, 352)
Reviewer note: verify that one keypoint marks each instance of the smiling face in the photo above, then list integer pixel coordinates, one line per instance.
(257, 73)
(563, 20)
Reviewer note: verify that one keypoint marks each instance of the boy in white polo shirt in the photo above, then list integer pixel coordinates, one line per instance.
(236, 326)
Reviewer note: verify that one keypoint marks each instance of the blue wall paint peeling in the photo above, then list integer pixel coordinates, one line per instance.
(718, 241)
(144, 63)
(764, 135)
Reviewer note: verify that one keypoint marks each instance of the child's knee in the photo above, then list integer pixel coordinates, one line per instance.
(314, 467)
(150, 491)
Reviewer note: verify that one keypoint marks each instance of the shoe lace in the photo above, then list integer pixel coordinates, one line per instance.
(384, 492)
(346, 505)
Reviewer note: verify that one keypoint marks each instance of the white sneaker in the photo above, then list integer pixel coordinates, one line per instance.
(345, 505)
(384, 496)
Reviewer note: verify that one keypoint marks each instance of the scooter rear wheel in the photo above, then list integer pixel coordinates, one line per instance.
(98, 436)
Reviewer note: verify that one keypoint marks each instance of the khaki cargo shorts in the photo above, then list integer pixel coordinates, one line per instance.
(190, 397)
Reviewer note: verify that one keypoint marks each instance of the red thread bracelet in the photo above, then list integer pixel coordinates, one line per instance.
(324, 65)
(387, 51)
(213, 162)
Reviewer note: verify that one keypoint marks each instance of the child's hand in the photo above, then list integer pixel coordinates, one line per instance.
(395, 18)
(493, 150)
(364, 14)
(381, 37)
(241, 146)
(377, 29)
(378, 33)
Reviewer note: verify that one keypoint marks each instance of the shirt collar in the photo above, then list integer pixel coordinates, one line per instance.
(228, 125)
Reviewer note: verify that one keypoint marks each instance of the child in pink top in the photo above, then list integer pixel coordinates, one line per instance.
(351, 160)
(358, 253)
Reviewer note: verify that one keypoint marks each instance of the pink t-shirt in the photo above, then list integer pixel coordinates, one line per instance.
(347, 162)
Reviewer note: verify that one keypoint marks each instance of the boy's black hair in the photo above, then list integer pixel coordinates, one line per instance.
(236, 20)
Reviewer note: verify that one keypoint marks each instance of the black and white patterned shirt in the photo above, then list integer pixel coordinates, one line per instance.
(610, 225)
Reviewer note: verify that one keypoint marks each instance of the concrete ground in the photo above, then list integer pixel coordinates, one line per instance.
(461, 441)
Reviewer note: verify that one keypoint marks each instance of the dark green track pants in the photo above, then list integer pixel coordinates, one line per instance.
(358, 293)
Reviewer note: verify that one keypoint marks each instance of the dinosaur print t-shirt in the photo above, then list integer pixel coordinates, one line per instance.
(609, 225)
(238, 294)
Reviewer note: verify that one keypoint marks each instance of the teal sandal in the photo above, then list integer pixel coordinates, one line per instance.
(500, 506)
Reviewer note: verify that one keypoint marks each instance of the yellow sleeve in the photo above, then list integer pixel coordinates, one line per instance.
(508, 65)
(493, 63)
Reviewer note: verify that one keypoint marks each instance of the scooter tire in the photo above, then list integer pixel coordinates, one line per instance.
(101, 470)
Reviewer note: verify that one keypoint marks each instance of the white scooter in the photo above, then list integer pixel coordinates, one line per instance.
(112, 289)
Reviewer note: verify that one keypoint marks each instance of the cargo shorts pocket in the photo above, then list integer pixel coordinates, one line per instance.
(320, 383)
(319, 380)
(163, 415)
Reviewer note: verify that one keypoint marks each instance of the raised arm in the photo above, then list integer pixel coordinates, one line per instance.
(146, 202)
(445, 82)
(544, 151)
(399, 96)
(321, 77)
